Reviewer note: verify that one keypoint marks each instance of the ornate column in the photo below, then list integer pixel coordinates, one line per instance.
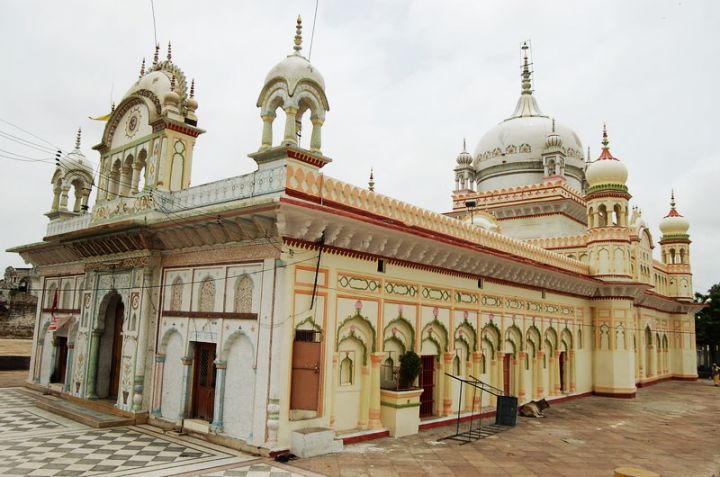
(187, 362)
(64, 197)
(571, 370)
(447, 381)
(521, 375)
(333, 391)
(500, 374)
(158, 385)
(315, 139)
(539, 388)
(267, 133)
(651, 361)
(220, 370)
(374, 415)
(37, 368)
(492, 377)
(467, 389)
(290, 137)
(142, 345)
(477, 362)
(364, 397)
(56, 199)
(92, 365)
(135, 180)
(67, 387)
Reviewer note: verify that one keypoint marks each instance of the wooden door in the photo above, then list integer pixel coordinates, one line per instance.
(305, 380)
(427, 383)
(61, 359)
(203, 399)
(116, 351)
(506, 375)
(562, 370)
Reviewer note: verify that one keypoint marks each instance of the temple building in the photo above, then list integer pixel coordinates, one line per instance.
(281, 300)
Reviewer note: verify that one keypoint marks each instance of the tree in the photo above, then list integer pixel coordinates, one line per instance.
(410, 366)
(707, 321)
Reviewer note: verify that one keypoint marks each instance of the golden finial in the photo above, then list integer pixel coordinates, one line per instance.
(142, 68)
(77, 138)
(156, 57)
(298, 35)
(192, 88)
(169, 54)
(371, 182)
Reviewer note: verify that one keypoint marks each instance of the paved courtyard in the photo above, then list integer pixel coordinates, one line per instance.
(672, 428)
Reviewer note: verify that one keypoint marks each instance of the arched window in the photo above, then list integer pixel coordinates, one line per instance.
(66, 297)
(206, 298)
(617, 215)
(602, 216)
(176, 294)
(456, 365)
(682, 255)
(672, 255)
(346, 371)
(243, 294)
(388, 369)
(138, 178)
(50, 295)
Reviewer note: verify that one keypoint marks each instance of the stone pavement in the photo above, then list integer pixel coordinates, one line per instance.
(672, 428)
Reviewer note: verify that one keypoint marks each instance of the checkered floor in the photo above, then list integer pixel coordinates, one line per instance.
(255, 470)
(35, 442)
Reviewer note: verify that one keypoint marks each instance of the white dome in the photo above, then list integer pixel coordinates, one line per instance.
(294, 69)
(523, 138)
(606, 171)
(159, 80)
(76, 160)
(674, 223)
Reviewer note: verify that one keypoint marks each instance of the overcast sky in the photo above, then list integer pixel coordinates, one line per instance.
(406, 81)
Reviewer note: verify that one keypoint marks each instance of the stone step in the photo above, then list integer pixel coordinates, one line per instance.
(315, 441)
(80, 413)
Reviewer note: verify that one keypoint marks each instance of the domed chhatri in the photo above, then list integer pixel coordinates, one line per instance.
(72, 182)
(674, 224)
(510, 154)
(606, 171)
(464, 158)
(296, 86)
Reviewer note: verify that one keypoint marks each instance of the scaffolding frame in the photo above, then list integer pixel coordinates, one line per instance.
(472, 434)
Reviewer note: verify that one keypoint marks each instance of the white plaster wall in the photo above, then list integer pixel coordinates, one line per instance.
(239, 390)
(47, 359)
(172, 378)
(541, 227)
(347, 398)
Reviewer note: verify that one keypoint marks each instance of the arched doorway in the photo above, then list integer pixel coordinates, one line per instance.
(563, 365)
(110, 349)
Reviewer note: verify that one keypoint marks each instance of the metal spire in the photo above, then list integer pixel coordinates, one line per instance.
(298, 35)
(142, 68)
(526, 82)
(156, 57)
(464, 145)
(169, 54)
(605, 141)
(371, 182)
(553, 124)
(77, 138)
(672, 198)
(192, 88)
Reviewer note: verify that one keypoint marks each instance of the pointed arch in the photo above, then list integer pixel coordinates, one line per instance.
(435, 331)
(551, 337)
(532, 336)
(467, 333)
(236, 335)
(243, 294)
(513, 336)
(206, 294)
(401, 330)
(176, 294)
(566, 338)
(359, 329)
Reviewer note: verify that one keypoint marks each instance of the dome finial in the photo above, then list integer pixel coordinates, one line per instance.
(553, 124)
(672, 198)
(172, 83)
(605, 141)
(142, 68)
(298, 35)
(169, 53)
(371, 182)
(526, 82)
(192, 88)
(156, 56)
(77, 138)
(464, 145)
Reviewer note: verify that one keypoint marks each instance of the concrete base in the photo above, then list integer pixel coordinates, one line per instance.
(315, 441)
(400, 411)
(196, 425)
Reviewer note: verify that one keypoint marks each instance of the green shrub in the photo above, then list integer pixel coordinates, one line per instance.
(410, 365)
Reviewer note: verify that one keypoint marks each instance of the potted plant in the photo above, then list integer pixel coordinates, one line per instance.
(400, 408)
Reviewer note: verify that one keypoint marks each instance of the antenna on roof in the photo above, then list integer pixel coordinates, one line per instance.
(312, 33)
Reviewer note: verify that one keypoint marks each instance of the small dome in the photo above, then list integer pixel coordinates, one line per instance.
(482, 220)
(553, 141)
(464, 158)
(162, 78)
(75, 160)
(295, 67)
(674, 223)
(606, 169)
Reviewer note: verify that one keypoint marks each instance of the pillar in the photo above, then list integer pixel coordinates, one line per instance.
(37, 369)
(142, 344)
(492, 377)
(220, 371)
(187, 362)
(158, 385)
(521, 376)
(334, 384)
(374, 414)
(651, 361)
(56, 199)
(290, 137)
(539, 387)
(499, 369)
(105, 184)
(315, 138)
(467, 389)
(69, 370)
(267, 134)
(92, 368)
(364, 397)
(447, 383)
(64, 197)
(571, 370)
(134, 181)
